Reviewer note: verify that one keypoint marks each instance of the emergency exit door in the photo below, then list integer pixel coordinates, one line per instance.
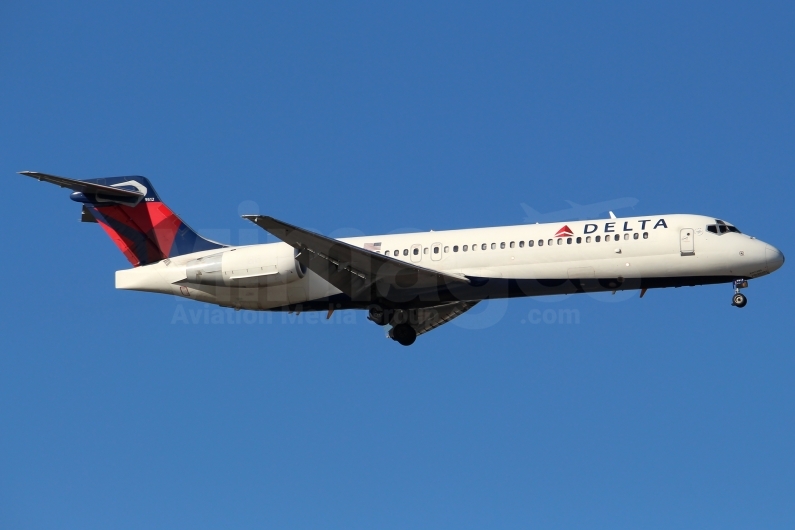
(416, 253)
(436, 251)
(686, 236)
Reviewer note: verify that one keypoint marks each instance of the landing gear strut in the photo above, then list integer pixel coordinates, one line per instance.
(739, 299)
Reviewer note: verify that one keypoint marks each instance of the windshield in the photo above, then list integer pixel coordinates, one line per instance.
(722, 227)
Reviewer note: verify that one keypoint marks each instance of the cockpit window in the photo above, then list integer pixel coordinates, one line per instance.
(722, 227)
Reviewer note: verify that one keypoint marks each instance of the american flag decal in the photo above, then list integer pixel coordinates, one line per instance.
(374, 247)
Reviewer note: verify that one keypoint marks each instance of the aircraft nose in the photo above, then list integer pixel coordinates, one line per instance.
(775, 258)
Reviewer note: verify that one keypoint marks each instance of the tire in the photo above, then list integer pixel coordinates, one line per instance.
(378, 315)
(739, 300)
(403, 334)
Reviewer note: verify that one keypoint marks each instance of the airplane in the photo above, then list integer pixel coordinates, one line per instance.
(413, 282)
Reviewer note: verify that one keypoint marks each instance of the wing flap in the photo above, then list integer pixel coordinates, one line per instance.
(431, 318)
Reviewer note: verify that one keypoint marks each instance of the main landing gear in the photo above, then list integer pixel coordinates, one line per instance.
(739, 299)
(401, 332)
(378, 315)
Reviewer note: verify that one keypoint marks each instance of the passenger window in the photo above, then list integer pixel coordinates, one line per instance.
(435, 250)
(598, 239)
(549, 242)
(626, 237)
(466, 247)
(645, 235)
(540, 242)
(579, 240)
(521, 244)
(560, 241)
(635, 235)
(446, 250)
(502, 245)
(512, 244)
(386, 253)
(568, 241)
(416, 252)
(405, 252)
(530, 243)
(397, 253)
(588, 239)
(455, 248)
(425, 250)
(494, 246)
(483, 246)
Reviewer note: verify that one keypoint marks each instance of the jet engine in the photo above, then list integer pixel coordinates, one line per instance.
(254, 266)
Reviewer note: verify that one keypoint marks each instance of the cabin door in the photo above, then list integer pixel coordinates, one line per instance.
(686, 242)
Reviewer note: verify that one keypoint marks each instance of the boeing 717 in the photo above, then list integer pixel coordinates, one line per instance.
(412, 282)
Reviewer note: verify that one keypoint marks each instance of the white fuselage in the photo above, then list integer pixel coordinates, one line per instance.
(524, 260)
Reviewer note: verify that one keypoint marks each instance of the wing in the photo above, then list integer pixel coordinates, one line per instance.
(432, 317)
(363, 275)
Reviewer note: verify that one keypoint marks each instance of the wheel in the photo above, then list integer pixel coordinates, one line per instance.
(403, 334)
(378, 315)
(739, 300)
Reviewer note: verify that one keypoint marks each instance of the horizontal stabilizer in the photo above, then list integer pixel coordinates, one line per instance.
(86, 187)
(129, 210)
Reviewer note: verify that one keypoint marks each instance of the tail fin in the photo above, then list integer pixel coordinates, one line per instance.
(132, 214)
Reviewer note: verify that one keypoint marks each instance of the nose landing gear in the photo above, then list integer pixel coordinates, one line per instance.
(739, 299)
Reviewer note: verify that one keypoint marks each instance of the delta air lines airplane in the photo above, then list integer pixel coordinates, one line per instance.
(412, 282)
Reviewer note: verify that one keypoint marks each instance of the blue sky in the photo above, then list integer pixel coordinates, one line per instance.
(130, 410)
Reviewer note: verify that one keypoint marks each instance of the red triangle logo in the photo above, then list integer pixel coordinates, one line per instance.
(564, 232)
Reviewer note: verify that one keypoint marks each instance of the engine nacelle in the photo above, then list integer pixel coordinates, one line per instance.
(257, 265)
